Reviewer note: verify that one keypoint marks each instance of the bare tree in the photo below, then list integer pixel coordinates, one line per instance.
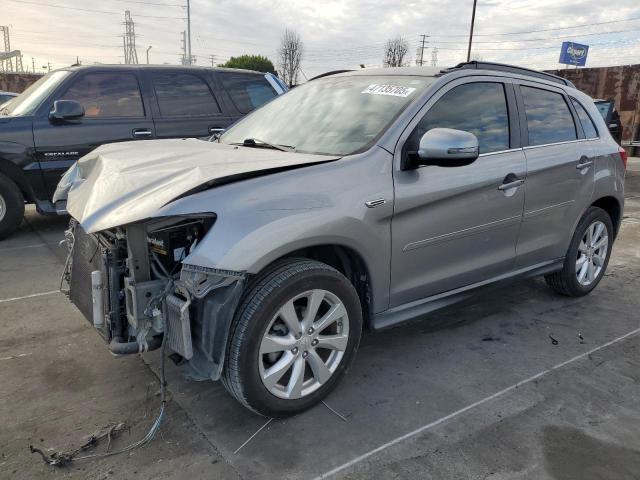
(395, 51)
(290, 57)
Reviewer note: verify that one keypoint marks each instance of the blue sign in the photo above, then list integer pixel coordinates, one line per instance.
(574, 54)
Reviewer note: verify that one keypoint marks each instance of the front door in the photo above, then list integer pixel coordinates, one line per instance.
(114, 112)
(560, 173)
(454, 227)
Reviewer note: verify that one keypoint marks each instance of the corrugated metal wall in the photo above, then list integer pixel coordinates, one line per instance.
(17, 82)
(621, 84)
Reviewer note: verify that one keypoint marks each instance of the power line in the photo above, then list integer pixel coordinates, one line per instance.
(106, 12)
(151, 3)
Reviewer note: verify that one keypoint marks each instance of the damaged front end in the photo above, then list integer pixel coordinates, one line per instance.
(134, 285)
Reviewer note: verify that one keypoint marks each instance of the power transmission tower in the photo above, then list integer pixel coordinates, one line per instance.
(130, 54)
(420, 56)
(188, 42)
(434, 57)
(7, 56)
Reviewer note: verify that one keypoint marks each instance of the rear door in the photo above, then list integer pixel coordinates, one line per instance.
(185, 104)
(454, 227)
(560, 173)
(114, 112)
(245, 91)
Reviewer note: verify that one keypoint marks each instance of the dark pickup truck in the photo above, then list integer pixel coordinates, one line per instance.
(69, 112)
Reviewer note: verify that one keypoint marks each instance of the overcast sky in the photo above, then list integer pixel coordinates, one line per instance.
(336, 34)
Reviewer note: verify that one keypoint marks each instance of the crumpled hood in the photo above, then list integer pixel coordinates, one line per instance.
(120, 183)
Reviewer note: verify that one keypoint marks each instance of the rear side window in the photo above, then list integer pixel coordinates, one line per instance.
(247, 91)
(479, 108)
(549, 119)
(181, 94)
(107, 95)
(589, 128)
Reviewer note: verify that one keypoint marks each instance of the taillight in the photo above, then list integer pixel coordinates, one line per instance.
(623, 156)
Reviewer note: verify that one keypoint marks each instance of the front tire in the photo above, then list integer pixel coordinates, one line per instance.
(294, 337)
(588, 255)
(11, 206)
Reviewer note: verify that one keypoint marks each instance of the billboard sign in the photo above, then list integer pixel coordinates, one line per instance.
(574, 54)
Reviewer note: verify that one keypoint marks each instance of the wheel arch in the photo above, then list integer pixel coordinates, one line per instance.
(347, 261)
(14, 173)
(613, 207)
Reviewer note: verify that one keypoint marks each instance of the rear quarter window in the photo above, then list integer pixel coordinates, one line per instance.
(589, 128)
(549, 119)
(247, 91)
(182, 94)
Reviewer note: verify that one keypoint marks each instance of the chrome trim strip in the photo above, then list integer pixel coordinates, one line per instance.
(547, 210)
(500, 151)
(530, 147)
(462, 233)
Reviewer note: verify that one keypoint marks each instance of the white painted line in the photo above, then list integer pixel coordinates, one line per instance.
(16, 356)
(41, 294)
(435, 423)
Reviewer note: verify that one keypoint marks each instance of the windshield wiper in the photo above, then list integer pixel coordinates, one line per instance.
(257, 143)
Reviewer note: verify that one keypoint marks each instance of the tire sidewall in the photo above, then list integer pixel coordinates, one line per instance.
(254, 389)
(593, 214)
(14, 204)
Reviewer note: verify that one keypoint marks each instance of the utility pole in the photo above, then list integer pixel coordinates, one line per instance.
(184, 47)
(473, 19)
(423, 41)
(33, 64)
(189, 31)
(212, 57)
(148, 48)
(130, 53)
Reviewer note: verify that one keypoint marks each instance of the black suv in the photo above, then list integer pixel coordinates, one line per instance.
(69, 112)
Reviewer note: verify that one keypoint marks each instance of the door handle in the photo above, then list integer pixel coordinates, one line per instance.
(584, 163)
(141, 133)
(510, 181)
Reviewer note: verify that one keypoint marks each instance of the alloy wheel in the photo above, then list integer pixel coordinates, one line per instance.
(592, 253)
(303, 344)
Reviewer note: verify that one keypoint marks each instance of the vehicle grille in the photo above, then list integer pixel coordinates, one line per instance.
(87, 257)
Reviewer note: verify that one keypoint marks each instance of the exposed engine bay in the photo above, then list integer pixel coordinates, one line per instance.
(133, 286)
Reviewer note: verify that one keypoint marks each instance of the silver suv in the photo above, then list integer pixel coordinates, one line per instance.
(358, 200)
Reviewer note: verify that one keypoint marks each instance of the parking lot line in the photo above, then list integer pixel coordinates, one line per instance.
(41, 294)
(441, 420)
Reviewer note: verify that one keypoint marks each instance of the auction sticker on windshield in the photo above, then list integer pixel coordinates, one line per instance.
(393, 90)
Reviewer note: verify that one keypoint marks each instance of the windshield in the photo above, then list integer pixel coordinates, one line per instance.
(333, 115)
(30, 99)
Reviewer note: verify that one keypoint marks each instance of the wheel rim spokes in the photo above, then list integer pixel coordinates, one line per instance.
(303, 344)
(3, 207)
(592, 253)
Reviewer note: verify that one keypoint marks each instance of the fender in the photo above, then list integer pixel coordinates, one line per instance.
(262, 219)
(13, 158)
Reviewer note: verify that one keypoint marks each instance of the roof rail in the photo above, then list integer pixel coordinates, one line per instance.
(326, 74)
(509, 68)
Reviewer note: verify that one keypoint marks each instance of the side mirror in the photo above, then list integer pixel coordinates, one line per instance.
(68, 111)
(446, 147)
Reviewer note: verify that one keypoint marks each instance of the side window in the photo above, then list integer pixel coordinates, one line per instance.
(479, 108)
(181, 94)
(247, 91)
(589, 128)
(549, 119)
(107, 95)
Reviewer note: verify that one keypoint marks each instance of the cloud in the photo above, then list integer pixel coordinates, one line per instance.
(337, 34)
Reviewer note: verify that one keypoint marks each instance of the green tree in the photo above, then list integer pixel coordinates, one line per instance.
(251, 62)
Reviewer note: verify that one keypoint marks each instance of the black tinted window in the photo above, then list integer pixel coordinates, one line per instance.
(183, 94)
(107, 95)
(549, 119)
(479, 108)
(585, 120)
(247, 92)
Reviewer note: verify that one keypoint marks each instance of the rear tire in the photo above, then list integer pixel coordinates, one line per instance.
(588, 255)
(281, 314)
(11, 206)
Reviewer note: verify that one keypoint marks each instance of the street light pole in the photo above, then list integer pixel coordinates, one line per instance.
(473, 19)
(149, 48)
